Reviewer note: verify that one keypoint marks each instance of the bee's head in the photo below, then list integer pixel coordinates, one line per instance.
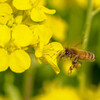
(67, 52)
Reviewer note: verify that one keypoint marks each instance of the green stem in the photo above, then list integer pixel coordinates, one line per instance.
(29, 79)
(82, 76)
(28, 84)
(88, 24)
(96, 12)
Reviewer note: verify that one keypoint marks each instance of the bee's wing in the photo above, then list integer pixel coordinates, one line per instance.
(78, 44)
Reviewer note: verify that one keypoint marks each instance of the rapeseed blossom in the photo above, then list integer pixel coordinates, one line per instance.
(50, 55)
(19, 31)
(12, 45)
(41, 37)
(60, 27)
(37, 10)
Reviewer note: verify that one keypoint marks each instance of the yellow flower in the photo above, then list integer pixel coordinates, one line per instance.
(19, 61)
(3, 59)
(37, 10)
(22, 35)
(22, 4)
(5, 9)
(12, 45)
(64, 93)
(39, 13)
(50, 55)
(4, 19)
(60, 28)
(4, 35)
(41, 37)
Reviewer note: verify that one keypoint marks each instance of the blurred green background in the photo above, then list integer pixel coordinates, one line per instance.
(32, 82)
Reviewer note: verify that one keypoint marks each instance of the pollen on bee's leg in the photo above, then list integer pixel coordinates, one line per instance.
(78, 65)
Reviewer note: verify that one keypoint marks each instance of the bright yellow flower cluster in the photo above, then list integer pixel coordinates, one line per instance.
(21, 26)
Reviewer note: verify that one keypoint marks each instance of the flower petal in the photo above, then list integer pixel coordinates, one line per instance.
(4, 19)
(4, 35)
(22, 35)
(3, 0)
(38, 15)
(22, 4)
(50, 54)
(3, 59)
(19, 61)
(60, 27)
(44, 35)
(52, 62)
(5, 9)
(48, 11)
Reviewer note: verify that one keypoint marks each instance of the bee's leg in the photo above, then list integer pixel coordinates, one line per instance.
(75, 60)
(74, 64)
(70, 69)
(61, 55)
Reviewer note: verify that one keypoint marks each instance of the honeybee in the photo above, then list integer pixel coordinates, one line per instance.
(76, 55)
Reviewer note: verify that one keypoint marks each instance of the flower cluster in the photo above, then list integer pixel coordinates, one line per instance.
(22, 25)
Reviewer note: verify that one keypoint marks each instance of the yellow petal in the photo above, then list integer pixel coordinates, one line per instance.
(19, 61)
(59, 29)
(3, 0)
(54, 47)
(5, 9)
(4, 35)
(52, 62)
(3, 60)
(4, 19)
(38, 15)
(22, 35)
(44, 35)
(50, 54)
(39, 50)
(22, 4)
(48, 11)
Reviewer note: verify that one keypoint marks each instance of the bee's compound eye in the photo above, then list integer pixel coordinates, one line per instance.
(67, 52)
